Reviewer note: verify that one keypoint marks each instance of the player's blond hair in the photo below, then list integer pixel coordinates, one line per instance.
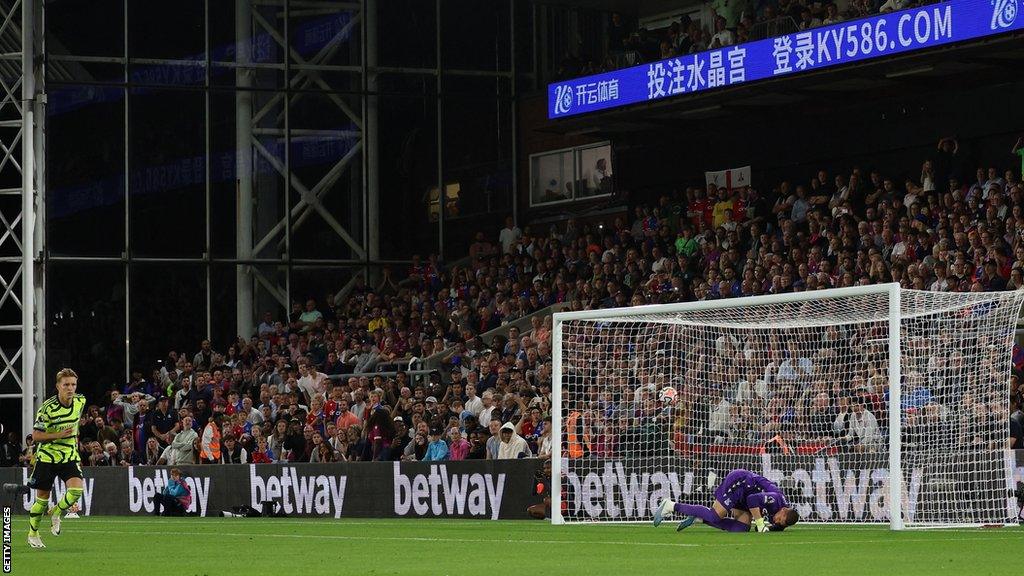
(66, 373)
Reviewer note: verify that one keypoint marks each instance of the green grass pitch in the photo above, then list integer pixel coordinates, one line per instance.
(295, 546)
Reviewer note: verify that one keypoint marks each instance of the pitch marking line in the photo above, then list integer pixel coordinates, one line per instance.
(469, 523)
(556, 542)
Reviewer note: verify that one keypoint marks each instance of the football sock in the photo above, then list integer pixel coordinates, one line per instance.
(34, 514)
(703, 512)
(69, 499)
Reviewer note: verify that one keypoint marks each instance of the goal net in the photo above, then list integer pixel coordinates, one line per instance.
(828, 393)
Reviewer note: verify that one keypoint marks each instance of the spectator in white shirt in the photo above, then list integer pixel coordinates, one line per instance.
(509, 235)
(267, 326)
(723, 36)
(312, 382)
(473, 402)
(861, 426)
(485, 415)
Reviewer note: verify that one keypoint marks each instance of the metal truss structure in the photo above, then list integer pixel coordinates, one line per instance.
(275, 195)
(21, 170)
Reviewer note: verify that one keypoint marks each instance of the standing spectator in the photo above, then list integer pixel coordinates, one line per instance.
(509, 236)
(473, 402)
(862, 427)
(162, 421)
(266, 327)
(182, 449)
(380, 431)
(129, 407)
(723, 35)
(309, 316)
(203, 360)
(210, 451)
(480, 249)
(10, 449)
(142, 426)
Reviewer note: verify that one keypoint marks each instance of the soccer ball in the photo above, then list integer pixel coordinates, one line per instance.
(668, 395)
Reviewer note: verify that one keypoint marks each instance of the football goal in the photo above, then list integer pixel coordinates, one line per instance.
(869, 404)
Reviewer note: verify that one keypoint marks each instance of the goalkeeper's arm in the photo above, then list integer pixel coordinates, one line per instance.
(754, 504)
(758, 521)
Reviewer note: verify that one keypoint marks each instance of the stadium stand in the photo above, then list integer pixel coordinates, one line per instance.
(333, 383)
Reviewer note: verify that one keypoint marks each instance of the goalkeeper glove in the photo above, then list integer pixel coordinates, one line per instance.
(760, 525)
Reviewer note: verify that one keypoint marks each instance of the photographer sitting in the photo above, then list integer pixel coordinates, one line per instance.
(542, 488)
(175, 498)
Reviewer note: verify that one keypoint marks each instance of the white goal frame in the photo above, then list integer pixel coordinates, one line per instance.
(893, 290)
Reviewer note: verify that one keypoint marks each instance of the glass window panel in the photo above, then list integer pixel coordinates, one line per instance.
(551, 177)
(270, 292)
(167, 29)
(475, 35)
(85, 27)
(407, 152)
(478, 159)
(595, 170)
(415, 23)
(224, 310)
(154, 73)
(167, 312)
(86, 189)
(85, 325)
(168, 173)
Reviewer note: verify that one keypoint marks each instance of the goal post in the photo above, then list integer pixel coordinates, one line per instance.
(828, 393)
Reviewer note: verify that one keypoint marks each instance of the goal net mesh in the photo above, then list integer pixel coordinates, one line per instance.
(797, 392)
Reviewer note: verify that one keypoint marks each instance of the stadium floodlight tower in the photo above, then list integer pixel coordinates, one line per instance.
(829, 393)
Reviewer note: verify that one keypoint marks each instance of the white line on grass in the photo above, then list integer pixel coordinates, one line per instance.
(469, 523)
(779, 541)
(411, 538)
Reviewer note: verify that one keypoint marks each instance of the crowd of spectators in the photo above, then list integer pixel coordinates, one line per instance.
(298, 389)
(732, 22)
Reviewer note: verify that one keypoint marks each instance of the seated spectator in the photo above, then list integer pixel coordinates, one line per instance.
(175, 498)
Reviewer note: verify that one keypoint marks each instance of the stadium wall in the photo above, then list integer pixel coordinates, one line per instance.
(492, 489)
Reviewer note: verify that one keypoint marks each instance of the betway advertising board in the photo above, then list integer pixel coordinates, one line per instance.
(848, 488)
(469, 489)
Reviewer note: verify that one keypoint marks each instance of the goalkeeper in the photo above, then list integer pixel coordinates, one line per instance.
(741, 500)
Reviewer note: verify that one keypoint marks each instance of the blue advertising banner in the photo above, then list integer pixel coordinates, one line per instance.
(813, 49)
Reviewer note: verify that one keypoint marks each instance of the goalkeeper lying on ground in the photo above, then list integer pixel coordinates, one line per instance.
(742, 499)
